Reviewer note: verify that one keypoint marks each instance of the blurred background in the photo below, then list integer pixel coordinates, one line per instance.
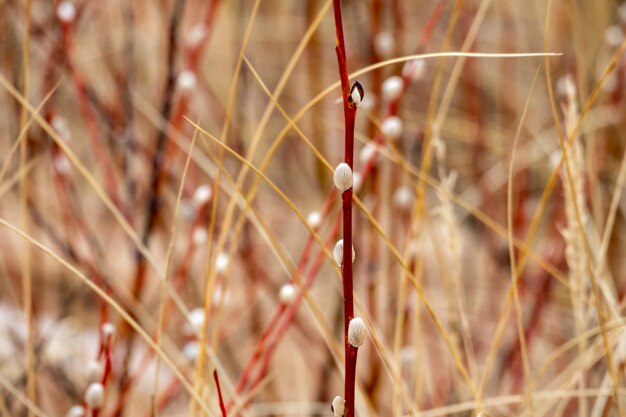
(167, 207)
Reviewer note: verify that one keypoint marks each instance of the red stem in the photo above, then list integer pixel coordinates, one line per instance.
(349, 112)
(219, 393)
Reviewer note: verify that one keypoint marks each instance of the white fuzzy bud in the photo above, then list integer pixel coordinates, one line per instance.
(314, 219)
(414, 70)
(195, 320)
(403, 198)
(94, 396)
(108, 329)
(338, 406)
(66, 12)
(191, 350)
(356, 94)
(384, 45)
(94, 371)
(613, 36)
(440, 148)
(221, 262)
(76, 411)
(62, 164)
(368, 152)
(287, 293)
(343, 177)
(60, 126)
(356, 332)
(392, 128)
(187, 81)
(196, 34)
(392, 88)
(202, 195)
(338, 252)
(200, 236)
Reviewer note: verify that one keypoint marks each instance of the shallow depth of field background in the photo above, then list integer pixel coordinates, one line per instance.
(126, 91)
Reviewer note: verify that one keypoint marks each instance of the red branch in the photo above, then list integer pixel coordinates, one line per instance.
(349, 112)
(219, 393)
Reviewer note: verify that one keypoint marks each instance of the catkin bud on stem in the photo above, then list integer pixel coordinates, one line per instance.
(76, 411)
(338, 252)
(356, 332)
(94, 396)
(287, 294)
(343, 177)
(392, 88)
(392, 128)
(338, 406)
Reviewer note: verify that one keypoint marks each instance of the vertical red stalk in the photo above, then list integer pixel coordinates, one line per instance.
(219, 393)
(349, 112)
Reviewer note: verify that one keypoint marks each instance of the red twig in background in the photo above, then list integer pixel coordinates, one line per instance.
(219, 393)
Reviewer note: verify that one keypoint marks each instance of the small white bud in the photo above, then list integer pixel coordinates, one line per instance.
(392, 128)
(368, 152)
(62, 164)
(384, 45)
(200, 236)
(94, 371)
(202, 195)
(187, 80)
(195, 320)
(221, 262)
(338, 406)
(414, 70)
(403, 198)
(191, 350)
(94, 396)
(60, 126)
(314, 219)
(613, 36)
(76, 411)
(287, 293)
(392, 88)
(343, 177)
(356, 332)
(357, 93)
(66, 11)
(108, 329)
(196, 34)
(338, 252)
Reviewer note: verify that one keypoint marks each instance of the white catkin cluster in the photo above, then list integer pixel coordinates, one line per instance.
(356, 332)
(392, 88)
(338, 252)
(343, 177)
(108, 329)
(66, 12)
(287, 293)
(76, 411)
(202, 195)
(94, 396)
(187, 81)
(384, 45)
(338, 406)
(414, 69)
(392, 128)
(315, 219)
